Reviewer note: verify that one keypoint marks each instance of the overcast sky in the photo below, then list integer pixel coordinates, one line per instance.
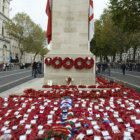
(36, 9)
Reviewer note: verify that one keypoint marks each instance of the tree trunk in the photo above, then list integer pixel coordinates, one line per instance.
(120, 56)
(114, 57)
(35, 56)
(101, 58)
(134, 52)
(21, 54)
(106, 58)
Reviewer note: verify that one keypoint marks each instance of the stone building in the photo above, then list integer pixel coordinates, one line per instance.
(127, 56)
(15, 53)
(4, 38)
(8, 45)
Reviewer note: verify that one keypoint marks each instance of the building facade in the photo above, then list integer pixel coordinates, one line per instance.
(4, 38)
(15, 53)
(128, 56)
(9, 49)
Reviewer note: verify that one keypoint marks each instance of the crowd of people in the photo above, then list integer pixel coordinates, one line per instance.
(6, 66)
(13, 66)
(35, 66)
(102, 67)
(131, 66)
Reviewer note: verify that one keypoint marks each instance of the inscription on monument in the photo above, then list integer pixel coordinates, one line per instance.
(69, 30)
(70, 20)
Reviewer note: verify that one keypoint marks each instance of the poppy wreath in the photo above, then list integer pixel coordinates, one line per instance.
(68, 63)
(57, 62)
(89, 62)
(58, 132)
(48, 61)
(79, 63)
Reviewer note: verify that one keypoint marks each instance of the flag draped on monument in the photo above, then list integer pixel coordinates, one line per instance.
(48, 12)
(91, 21)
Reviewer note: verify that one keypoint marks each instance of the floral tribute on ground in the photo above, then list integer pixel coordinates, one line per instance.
(97, 112)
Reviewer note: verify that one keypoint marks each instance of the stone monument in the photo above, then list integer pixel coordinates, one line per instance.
(70, 33)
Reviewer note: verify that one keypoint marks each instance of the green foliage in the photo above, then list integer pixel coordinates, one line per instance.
(35, 41)
(126, 14)
(20, 27)
(43, 52)
(30, 36)
(109, 39)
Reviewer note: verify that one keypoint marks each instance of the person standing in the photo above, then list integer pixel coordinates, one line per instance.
(4, 67)
(34, 69)
(123, 67)
(96, 68)
(109, 72)
(99, 67)
(40, 67)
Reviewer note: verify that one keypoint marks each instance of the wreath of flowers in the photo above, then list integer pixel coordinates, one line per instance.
(79, 63)
(90, 64)
(58, 132)
(55, 64)
(48, 61)
(68, 63)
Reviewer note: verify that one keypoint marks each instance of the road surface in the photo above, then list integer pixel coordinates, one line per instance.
(131, 78)
(10, 79)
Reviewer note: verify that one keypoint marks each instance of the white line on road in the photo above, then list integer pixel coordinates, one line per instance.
(14, 81)
(120, 70)
(14, 74)
(8, 71)
(122, 81)
(126, 74)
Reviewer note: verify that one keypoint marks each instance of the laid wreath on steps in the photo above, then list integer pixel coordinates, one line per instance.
(58, 132)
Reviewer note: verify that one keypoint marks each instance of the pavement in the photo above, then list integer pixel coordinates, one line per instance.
(18, 90)
(131, 79)
(10, 79)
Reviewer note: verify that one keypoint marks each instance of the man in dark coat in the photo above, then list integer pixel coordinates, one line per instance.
(123, 67)
(34, 69)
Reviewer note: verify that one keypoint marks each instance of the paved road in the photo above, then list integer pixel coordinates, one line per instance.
(10, 79)
(131, 78)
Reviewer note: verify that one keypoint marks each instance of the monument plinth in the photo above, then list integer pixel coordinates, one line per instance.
(70, 39)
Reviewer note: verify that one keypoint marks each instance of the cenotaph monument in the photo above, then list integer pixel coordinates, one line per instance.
(70, 33)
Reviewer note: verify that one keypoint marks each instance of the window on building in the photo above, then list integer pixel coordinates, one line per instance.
(2, 30)
(3, 7)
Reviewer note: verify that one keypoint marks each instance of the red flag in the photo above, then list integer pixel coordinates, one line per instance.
(91, 21)
(48, 12)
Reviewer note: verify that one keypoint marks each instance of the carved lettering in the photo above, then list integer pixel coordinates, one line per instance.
(69, 30)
